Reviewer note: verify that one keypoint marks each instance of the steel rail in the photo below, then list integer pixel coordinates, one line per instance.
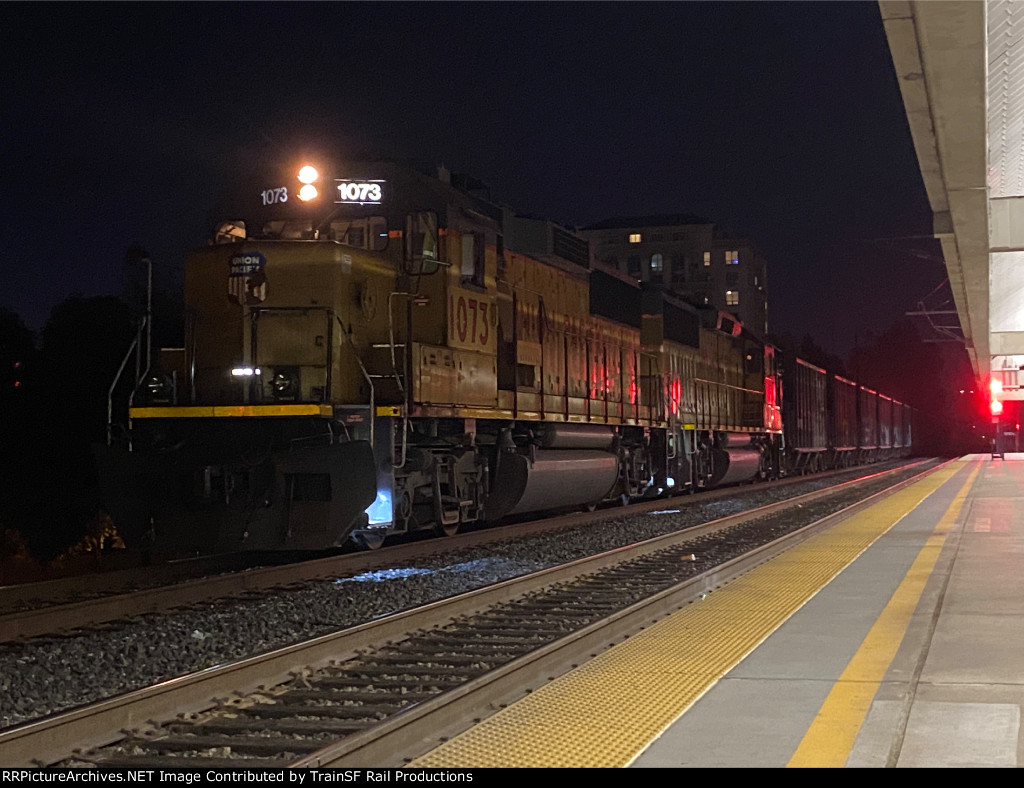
(58, 737)
(413, 732)
(38, 618)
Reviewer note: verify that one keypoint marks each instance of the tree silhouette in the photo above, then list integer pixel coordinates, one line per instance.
(48, 491)
(17, 359)
(83, 343)
(19, 374)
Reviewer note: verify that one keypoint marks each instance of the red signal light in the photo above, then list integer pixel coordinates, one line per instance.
(997, 407)
(675, 396)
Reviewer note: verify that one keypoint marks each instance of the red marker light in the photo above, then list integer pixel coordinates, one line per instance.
(997, 407)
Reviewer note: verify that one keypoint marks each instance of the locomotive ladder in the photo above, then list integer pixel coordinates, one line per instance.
(399, 379)
(369, 378)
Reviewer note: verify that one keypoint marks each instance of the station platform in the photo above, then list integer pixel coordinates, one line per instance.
(893, 639)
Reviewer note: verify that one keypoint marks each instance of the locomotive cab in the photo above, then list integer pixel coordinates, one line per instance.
(265, 436)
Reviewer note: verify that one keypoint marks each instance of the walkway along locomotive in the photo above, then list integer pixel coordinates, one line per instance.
(372, 351)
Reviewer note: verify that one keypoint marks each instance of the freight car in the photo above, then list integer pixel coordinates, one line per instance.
(370, 350)
(832, 422)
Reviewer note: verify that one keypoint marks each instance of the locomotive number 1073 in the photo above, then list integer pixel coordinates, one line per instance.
(275, 196)
(470, 320)
(361, 192)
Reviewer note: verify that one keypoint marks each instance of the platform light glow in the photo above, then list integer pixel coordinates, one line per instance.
(379, 512)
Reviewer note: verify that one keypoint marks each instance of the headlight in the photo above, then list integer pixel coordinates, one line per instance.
(307, 176)
(379, 512)
(284, 384)
(158, 390)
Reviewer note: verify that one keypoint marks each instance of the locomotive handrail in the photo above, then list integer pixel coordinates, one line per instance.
(191, 323)
(729, 386)
(117, 378)
(398, 380)
(391, 339)
(369, 381)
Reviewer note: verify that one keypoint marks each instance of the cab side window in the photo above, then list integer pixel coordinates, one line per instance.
(378, 233)
(421, 249)
(370, 233)
(472, 264)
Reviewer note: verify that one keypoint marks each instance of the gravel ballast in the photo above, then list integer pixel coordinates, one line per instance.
(55, 673)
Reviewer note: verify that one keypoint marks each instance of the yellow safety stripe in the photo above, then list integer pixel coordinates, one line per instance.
(221, 411)
(661, 672)
(829, 740)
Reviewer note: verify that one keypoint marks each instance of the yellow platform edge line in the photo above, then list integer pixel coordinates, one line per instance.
(829, 740)
(606, 712)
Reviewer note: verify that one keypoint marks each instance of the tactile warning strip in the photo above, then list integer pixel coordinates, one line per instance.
(604, 713)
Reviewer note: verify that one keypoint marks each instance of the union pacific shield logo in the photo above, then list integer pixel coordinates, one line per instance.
(247, 280)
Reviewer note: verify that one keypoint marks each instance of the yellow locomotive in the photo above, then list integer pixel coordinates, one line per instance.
(370, 350)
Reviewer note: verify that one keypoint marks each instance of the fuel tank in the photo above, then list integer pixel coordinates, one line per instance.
(577, 436)
(554, 479)
(734, 465)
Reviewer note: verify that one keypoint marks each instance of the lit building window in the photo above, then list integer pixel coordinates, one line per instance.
(707, 258)
(732, 297)
(657, 263)
(732, 257)
(634, 238)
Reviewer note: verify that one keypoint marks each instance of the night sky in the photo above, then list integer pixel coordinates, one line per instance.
(125, 123)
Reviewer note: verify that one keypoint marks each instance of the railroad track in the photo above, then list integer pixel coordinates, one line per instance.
(53, 607)
(383, 692)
